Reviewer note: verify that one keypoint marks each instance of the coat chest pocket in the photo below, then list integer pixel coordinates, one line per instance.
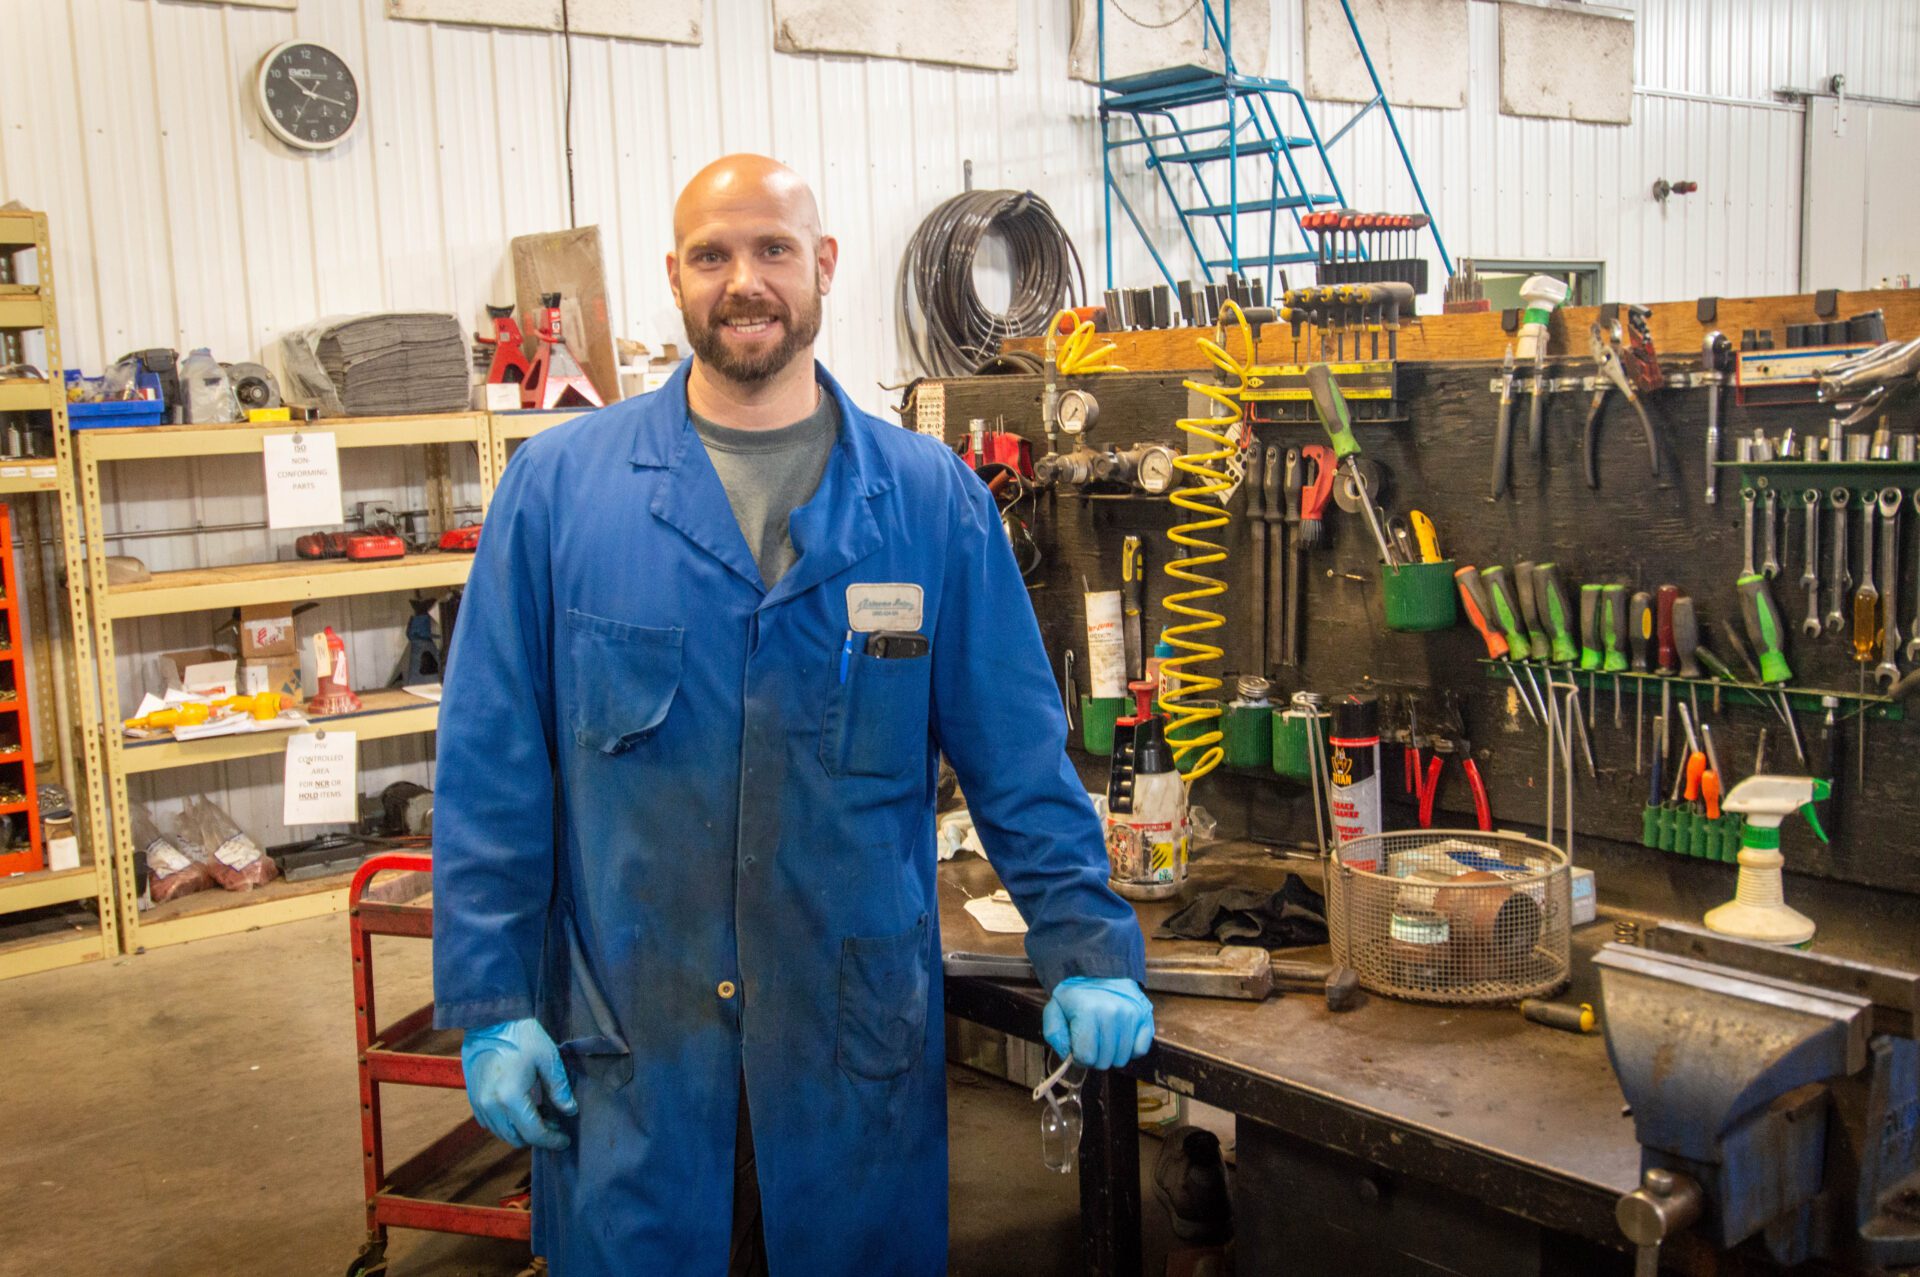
(876, 721)
(883, 1003)
(624, 680)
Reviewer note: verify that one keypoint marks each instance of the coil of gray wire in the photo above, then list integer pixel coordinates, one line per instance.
(955, 331)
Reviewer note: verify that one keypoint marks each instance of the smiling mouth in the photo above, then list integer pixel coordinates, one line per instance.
(749, 327)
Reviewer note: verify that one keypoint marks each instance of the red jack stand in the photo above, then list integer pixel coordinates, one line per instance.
(509, 364)
(555, 380)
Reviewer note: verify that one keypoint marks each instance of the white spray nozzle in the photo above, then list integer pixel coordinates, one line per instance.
(1543, 291)
(1767, 800)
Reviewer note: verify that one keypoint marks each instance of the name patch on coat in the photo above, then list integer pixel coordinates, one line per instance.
(884, 606)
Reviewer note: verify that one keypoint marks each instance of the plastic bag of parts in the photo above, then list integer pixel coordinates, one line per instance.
(171, 872)
(234, 859)
(209, 391)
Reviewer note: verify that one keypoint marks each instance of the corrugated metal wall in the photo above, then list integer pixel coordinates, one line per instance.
(177, 223)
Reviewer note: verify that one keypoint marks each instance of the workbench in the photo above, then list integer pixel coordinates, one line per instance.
(1472, 1101)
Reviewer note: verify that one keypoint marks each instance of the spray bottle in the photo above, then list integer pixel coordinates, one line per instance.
(1758, 910)
(1146, 807)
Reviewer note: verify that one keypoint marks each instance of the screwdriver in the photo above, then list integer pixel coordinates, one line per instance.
(1686, 636)
(1332, 408)
(1765, 630)
(1639, 639)
(1473, 596)
(1663, 627)
(1500, 590)
(1613, 635)
(1710, 780)
(1590, 627)
(1866, 641)
(1781, 708)
(1552, 598)
(1523, 585)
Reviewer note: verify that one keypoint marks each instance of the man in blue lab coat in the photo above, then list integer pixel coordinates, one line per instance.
(712, 640)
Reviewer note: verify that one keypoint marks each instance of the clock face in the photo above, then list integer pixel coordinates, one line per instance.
(308, 95)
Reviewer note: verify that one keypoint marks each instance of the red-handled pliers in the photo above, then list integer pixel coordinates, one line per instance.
(1430, 784)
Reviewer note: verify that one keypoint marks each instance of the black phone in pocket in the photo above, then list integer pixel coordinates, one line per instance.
(896, 644)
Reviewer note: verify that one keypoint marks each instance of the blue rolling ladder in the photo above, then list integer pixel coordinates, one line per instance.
(1168, 109)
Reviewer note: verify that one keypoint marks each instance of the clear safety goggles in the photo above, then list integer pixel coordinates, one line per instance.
(1060, 1119)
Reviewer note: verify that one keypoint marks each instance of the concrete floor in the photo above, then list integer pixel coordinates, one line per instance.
(195, 1111)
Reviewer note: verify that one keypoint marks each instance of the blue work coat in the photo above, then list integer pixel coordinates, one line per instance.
(674, 825)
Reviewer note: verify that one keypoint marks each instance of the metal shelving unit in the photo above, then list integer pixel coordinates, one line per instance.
(383, 714)
(511, 427)
(63, 662)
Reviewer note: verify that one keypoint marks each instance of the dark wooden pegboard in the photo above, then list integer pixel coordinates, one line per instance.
(1633, 528)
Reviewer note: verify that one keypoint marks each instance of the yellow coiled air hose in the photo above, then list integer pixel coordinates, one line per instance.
(1074, 355)
(1192, 726)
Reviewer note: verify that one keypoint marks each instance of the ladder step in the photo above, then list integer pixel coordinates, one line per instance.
(1174, 89)
(1284, 259)
(1260, 206)
(1248, 148)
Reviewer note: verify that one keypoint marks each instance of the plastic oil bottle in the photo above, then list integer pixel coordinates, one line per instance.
(1758, 910)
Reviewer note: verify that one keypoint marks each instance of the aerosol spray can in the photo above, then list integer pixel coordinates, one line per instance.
(1146, 809)
(1356, 779)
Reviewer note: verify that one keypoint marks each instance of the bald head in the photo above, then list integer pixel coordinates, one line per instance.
(749, 268)
(745, 183)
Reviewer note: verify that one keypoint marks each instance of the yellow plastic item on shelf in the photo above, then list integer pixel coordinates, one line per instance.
(187, 714)
(261, 705)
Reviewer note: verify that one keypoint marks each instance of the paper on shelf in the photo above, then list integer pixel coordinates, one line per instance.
(425, 691)
(997, 915)
(303, 479)
(242, 725)
(322, 787)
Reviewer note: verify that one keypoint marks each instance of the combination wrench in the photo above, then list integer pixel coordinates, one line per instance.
(1837, 577)
(1887, 672)
(1747, 498)
(1810, 573)
(1770, 511)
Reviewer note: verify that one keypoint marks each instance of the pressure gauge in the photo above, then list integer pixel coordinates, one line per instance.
(1156, 469)
(1078, 411)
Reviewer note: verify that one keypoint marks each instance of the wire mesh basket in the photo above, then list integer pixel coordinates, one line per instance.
(1452, 916)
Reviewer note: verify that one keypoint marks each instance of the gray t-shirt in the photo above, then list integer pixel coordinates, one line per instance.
(768, 474)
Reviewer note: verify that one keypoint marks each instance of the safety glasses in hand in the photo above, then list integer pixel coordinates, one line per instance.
(1060, 1119)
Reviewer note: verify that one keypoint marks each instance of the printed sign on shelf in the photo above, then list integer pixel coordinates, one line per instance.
(322, 781)
(303, 480)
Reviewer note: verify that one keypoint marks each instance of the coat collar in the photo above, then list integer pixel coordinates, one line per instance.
(832, 531)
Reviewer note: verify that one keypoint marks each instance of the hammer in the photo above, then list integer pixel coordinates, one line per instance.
(1237, 971)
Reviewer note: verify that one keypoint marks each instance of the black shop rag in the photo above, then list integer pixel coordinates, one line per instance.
(1293, 916)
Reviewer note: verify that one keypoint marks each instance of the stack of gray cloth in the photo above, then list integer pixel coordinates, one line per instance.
(381, 365)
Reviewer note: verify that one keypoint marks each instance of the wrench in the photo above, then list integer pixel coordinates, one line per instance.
(1887, 672)
(1868, 590)
(1747, 496)
(1770, 563)
(1810, 574)
(1913, 630)
(1838, 578)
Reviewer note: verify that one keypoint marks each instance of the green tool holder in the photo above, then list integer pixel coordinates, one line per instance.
(1419, 596)
(1096, 722)
(1249, 735)
(1290, 753)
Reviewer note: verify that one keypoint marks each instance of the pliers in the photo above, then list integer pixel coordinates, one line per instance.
(1428, 785)
(1611, 376)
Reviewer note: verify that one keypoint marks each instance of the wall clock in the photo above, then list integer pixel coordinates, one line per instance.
(307, 94)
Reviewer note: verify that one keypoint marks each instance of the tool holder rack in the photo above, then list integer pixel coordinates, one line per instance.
(1764, 695)
(60, 654)
(420, 1192)
(1823, 476)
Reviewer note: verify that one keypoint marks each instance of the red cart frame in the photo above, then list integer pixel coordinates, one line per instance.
(408, 1052)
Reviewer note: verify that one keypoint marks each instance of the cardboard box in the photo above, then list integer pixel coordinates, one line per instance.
(266, 629)
(497, 396)
(203, 670)
(272, 674)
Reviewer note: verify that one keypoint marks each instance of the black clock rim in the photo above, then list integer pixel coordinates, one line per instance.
(280, 55)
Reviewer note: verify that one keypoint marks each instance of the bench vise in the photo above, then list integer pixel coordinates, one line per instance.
(1774, 1093)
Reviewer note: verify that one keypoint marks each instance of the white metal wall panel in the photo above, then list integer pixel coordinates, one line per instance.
(176, 223)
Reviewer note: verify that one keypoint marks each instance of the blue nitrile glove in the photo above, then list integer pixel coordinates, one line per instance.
(503, 1063)
(1106, 1022)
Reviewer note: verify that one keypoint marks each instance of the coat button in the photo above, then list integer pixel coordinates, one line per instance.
(725, 989)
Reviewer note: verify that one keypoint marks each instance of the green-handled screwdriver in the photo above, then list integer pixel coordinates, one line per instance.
(1537, 644)
(1639, 642)
(1613, 636)
(1590, 627)
(1332, 408)
(1479, 607)
(1507, 608)
(1553, 611)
